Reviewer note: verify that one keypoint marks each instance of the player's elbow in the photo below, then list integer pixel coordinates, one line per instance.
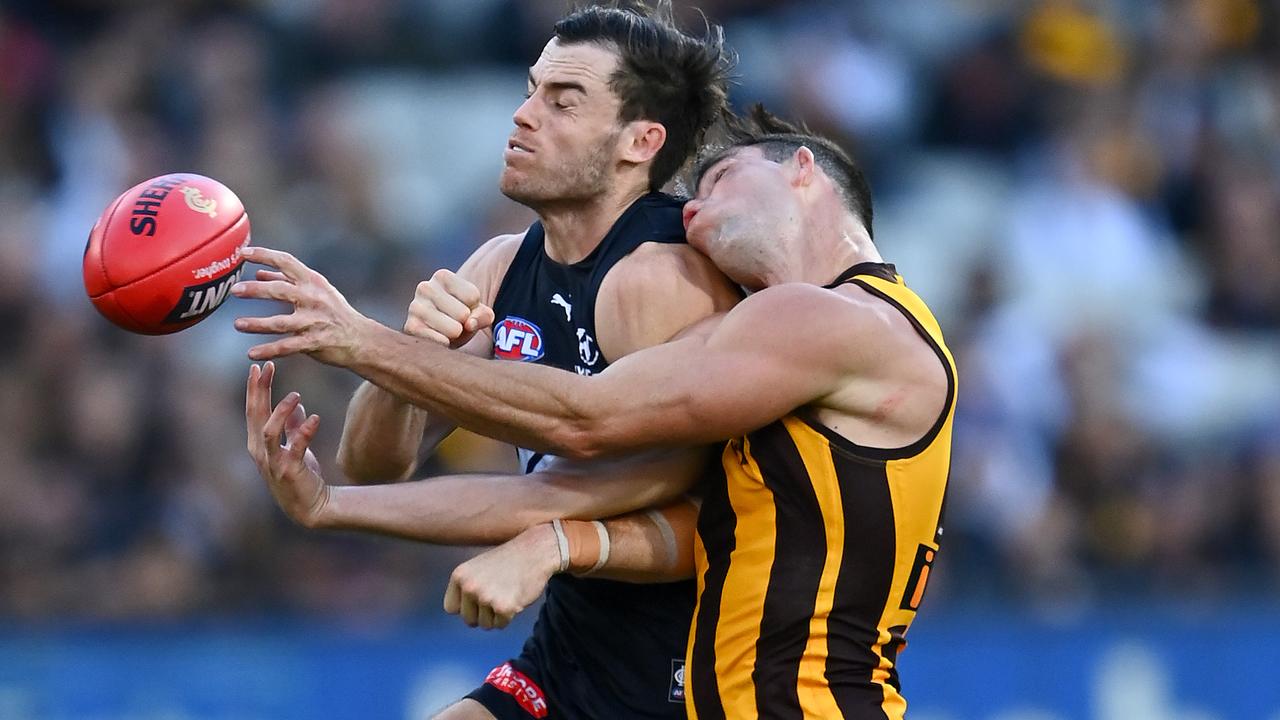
(579, 439)
(572, 442)
(598, 432)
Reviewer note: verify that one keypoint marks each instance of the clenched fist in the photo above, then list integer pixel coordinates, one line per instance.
(447, 309)
(493, 587)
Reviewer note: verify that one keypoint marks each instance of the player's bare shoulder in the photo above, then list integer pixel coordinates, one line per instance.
(489, 263)
(657, 291)
(671, 270)
(892, 383)
(867, 335)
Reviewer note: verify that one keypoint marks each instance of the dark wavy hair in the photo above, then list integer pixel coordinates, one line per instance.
(665, 75)
(779, 140)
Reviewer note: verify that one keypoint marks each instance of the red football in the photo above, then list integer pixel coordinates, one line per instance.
(164, 255)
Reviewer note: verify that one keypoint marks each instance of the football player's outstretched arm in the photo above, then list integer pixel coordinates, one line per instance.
(726, 376)
(461, 509)
(531, 406)
(382, 434)
(489, 509)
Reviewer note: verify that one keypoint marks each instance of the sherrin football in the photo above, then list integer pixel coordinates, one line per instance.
(164, 255)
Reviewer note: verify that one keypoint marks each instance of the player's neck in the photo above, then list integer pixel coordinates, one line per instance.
(827, 249)
(851, 247)
(573, 231)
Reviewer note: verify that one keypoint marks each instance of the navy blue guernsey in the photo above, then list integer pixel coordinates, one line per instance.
(609, 649)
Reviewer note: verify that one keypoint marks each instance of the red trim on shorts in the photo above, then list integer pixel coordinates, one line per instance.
(519, 686)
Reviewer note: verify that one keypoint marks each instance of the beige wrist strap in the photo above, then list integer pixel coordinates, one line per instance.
(586, 545)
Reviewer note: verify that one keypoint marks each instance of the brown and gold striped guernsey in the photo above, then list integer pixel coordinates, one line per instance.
(813, 554)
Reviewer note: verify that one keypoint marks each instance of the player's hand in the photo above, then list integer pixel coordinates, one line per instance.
(493, 587)
(290, 469)
(323, 324)
(447, 309)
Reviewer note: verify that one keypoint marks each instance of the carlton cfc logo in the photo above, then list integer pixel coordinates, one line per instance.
(517, 339)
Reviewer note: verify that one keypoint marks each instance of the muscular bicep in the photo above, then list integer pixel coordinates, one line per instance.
(758, 363)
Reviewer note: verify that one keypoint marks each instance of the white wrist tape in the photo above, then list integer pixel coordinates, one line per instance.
(603, 532)
(562, 544)
(668, 535)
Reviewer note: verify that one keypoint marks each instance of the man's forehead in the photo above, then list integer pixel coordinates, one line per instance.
(585, 63)
(735, 152)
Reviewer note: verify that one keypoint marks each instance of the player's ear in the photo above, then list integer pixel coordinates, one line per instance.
(642, 140)
(804, 167)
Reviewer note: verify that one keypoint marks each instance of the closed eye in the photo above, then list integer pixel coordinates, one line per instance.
(706, 185)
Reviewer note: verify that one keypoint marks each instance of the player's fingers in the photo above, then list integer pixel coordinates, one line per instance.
(274, 325)
(294, 421)
(274, 426)
(501, 620)
(434, 295)
(291, 266)
(298, 440)
(250, 389)
(258, 403)
(270, 275)
(458, 287)
(415, 327)
(279, 348)
(481, 317)
(470, 610)
(441, 323)
(251, 415)
(453, 597)
(266, 290)
(484, 617)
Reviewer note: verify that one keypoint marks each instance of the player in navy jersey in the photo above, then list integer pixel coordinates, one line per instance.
(617, 102)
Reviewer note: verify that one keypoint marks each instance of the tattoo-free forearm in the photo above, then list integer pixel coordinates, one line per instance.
(489, 509)
(654, 545)
(455, 510)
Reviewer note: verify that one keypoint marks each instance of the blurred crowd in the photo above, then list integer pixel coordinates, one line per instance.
(1087, 192)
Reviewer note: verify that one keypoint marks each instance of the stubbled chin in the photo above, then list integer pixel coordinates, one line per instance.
(510, 181)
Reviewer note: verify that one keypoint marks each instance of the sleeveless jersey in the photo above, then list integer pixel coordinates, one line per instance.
(610, 648)
(812, 555)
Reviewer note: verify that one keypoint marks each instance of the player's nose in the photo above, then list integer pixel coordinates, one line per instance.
(524, 115)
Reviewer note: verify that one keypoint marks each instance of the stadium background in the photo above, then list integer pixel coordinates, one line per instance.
(1087, 193)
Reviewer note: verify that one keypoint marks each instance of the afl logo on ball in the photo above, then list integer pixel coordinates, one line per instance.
(517, 339)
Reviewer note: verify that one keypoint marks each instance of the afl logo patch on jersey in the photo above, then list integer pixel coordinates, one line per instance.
(517, 339)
